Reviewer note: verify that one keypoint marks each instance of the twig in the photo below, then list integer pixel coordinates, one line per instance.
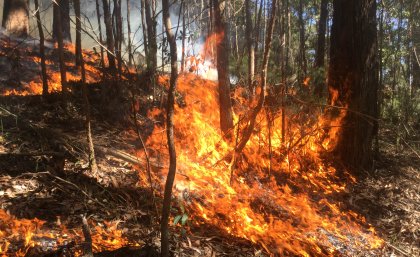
(88, 238)
(74, 185)
(397, 249)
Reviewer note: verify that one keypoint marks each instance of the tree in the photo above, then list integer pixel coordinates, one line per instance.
(109, 35)
(79, 54)
(250, 47)
(41, 50)
(353, 79)
(62, 10)
(320, 47)
(98, 17)
(166, 208)
(92, 161)
(16, 17)
(225, 104)
(60, 45)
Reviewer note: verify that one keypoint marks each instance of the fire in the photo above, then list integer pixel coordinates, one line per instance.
(292, 210)
(31, 232)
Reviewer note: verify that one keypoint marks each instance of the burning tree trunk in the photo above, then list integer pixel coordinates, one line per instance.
(353, 79)
(109, 35)
(16, 17)
(60, 45)
(221, 28)
(250, 47)
(320, 50)
(166, 208)
(41, 51)
(61, 10)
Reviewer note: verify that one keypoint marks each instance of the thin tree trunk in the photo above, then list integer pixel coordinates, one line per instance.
(78, 32)
(143, 25)
(257, 33)
(320, 50)
(302, 49)
(221, 27)
(41, 51)
(92, 161)
(250, 46)
(16, 17)
(62, 11)
(109, 35)
(184, 32)
(130, 53)
(166, 207)
(98, 16)
(60, 45)
(252, 119)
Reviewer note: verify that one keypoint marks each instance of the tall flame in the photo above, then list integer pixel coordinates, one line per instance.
(289, 211)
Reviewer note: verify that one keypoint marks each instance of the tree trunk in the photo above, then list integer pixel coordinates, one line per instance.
(302, 49)
(62, 11)
(221, 28)
(320, 50)
(92, 161)
(129, 48)
(79, 54)
(16, 17)
(184, 33)
(60, 45)
(257, 32)
(98, 16)
(144, 27)
(353, 80)
(41, 51)
(119, 35)
(109, 35)
(151, 38)
(166, 207)
(250, 46)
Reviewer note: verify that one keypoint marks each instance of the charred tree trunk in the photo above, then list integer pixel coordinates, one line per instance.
(60, 45)
(166, 207)
(320, 49)
(62, 10)
(250, 46)
(221, 28)
(41, 51)
(16, 17)
(98, 16)
(109, 35)
(353, 80)
(92, 161)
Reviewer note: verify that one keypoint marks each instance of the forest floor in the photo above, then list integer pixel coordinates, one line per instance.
(45, 179)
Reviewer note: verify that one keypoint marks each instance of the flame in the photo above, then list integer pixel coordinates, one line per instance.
(292, 210)
(31, 232)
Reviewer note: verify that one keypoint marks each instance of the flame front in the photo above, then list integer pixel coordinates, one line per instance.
(292, 210)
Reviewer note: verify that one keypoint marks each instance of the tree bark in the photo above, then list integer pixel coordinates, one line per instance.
(41, 51)
(129, 48)
(109, 35)
(60, 45)
(320, 49)
(250, 46)
(98, 16)
(166, 207)
(16, 17)
(225, 104)
(62, 11)
(353, 80)
(302, 48)
(151, 38)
